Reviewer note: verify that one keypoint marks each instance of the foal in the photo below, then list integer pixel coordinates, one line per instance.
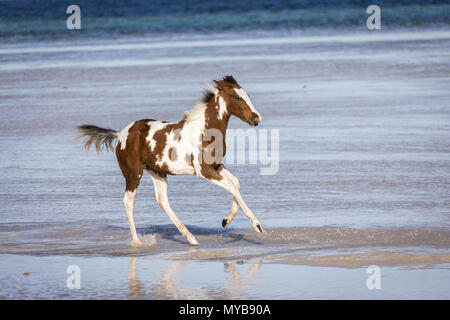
(163, 148)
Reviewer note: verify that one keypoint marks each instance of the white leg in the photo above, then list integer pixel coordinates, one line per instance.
(227, 183)
(134, 285)
(128, 201)
(160, 184)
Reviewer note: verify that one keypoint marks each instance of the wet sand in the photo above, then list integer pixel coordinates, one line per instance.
(153, 278)
(363, 177)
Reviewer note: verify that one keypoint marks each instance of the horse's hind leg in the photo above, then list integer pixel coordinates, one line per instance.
(160, 184)
(128, 201)
(132, 179)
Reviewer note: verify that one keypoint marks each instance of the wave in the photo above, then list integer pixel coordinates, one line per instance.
(358, 38)
(106, 19)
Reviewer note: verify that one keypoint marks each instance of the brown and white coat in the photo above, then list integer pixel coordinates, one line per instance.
(183, 148)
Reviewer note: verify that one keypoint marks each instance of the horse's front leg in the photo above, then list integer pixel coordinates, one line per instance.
(223, 178)
(233, 211)
(234, 207)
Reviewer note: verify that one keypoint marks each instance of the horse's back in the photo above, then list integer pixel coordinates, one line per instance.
(155, 145)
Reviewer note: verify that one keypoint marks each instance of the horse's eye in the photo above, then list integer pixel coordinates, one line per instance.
(238, 98)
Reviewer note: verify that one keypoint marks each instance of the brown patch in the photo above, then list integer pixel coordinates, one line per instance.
(131, 159)
(212, 121)
(210, 173)
(137, 154)
(164, 169)
(173, 154)
(160, 138)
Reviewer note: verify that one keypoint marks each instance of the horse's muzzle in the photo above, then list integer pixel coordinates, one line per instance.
(255, 120)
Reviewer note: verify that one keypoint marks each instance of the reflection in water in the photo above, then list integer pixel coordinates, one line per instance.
(135, 288)
(170, 286)
(238, 281)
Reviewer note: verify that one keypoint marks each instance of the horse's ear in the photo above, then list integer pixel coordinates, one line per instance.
(221, 84)
(230, 80)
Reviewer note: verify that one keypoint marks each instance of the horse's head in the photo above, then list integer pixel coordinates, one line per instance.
(237, 101)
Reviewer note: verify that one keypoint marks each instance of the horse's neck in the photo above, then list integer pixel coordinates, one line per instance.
(216, 123)
(216, 116)
(205, 116)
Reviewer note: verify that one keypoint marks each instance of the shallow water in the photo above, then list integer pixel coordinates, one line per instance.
(363, 172)
(149, 278)
(112, 240)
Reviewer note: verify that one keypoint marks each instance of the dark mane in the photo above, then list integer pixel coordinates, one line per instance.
(230, 79)
(207, 96)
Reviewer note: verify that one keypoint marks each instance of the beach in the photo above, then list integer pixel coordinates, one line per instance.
(362, 179)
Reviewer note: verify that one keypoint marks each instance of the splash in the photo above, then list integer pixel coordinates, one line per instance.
(149, 240)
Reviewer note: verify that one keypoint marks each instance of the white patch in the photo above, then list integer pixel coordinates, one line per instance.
(197, 112)
(222, 108)
(154, 126)
(241, 93)
(123, 135)
(185, 141)
(189, 143)
(213, 89)
(128, 199)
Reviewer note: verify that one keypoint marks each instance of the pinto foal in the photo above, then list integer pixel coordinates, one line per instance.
(163, 148)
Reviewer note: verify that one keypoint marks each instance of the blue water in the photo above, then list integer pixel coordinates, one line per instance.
(20, 20)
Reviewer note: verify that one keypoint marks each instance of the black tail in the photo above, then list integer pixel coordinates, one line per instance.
(100, 137)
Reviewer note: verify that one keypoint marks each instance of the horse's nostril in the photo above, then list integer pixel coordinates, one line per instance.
(254, 120)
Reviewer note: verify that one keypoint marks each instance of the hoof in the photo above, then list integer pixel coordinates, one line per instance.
(225, 222)
(258, 228)
(191, 239)
(136, 244)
